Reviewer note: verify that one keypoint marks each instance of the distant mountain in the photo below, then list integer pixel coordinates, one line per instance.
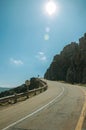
(70, 64)
(3, 89)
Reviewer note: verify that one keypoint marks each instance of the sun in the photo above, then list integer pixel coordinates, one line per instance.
(50, 7)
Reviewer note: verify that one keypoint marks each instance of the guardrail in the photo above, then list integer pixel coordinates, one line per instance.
(23, 96)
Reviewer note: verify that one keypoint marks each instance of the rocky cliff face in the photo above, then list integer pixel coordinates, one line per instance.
(70, 64)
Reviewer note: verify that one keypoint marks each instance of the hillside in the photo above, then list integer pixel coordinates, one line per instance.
(33, 83)
(70, 64)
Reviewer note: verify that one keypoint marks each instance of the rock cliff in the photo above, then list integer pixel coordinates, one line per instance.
(70, 64)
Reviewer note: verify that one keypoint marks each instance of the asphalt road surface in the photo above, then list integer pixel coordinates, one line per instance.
(84, 123)
(58, 108)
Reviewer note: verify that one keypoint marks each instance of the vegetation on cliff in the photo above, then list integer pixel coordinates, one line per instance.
(34, 83)
(70, 64)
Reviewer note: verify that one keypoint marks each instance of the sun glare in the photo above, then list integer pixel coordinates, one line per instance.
(50, 7)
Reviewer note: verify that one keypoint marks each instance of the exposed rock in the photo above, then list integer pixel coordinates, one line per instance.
(70, 65)
(34, 83)
(29, 85)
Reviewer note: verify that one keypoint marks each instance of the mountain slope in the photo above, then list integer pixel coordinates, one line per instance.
(70, 64)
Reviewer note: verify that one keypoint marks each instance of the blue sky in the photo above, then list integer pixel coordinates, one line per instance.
(29, 37)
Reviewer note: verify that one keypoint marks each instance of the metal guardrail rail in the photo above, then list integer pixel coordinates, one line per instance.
(23, 96)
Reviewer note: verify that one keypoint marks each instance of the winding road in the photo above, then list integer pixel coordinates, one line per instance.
(58, 108)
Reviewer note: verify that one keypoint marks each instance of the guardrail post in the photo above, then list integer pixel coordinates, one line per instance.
(41, 90)
(34, 91)
(15, 98)
(27, 94)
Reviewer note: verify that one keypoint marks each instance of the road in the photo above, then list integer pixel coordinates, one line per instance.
(84, 122)
(58, 108)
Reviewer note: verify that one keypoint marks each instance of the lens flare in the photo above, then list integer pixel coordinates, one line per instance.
(46, 37)
(47, 29)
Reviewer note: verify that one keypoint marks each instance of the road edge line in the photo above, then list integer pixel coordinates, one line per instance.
(82, 115)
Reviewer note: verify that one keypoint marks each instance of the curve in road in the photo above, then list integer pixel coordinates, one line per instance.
(57, 108)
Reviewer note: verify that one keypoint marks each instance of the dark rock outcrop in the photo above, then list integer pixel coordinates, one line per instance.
(34, 83)
(70, 64)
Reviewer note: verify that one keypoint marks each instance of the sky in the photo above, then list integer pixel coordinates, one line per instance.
(30, 37)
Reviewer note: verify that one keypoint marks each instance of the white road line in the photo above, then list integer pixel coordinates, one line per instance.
(38, 110)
